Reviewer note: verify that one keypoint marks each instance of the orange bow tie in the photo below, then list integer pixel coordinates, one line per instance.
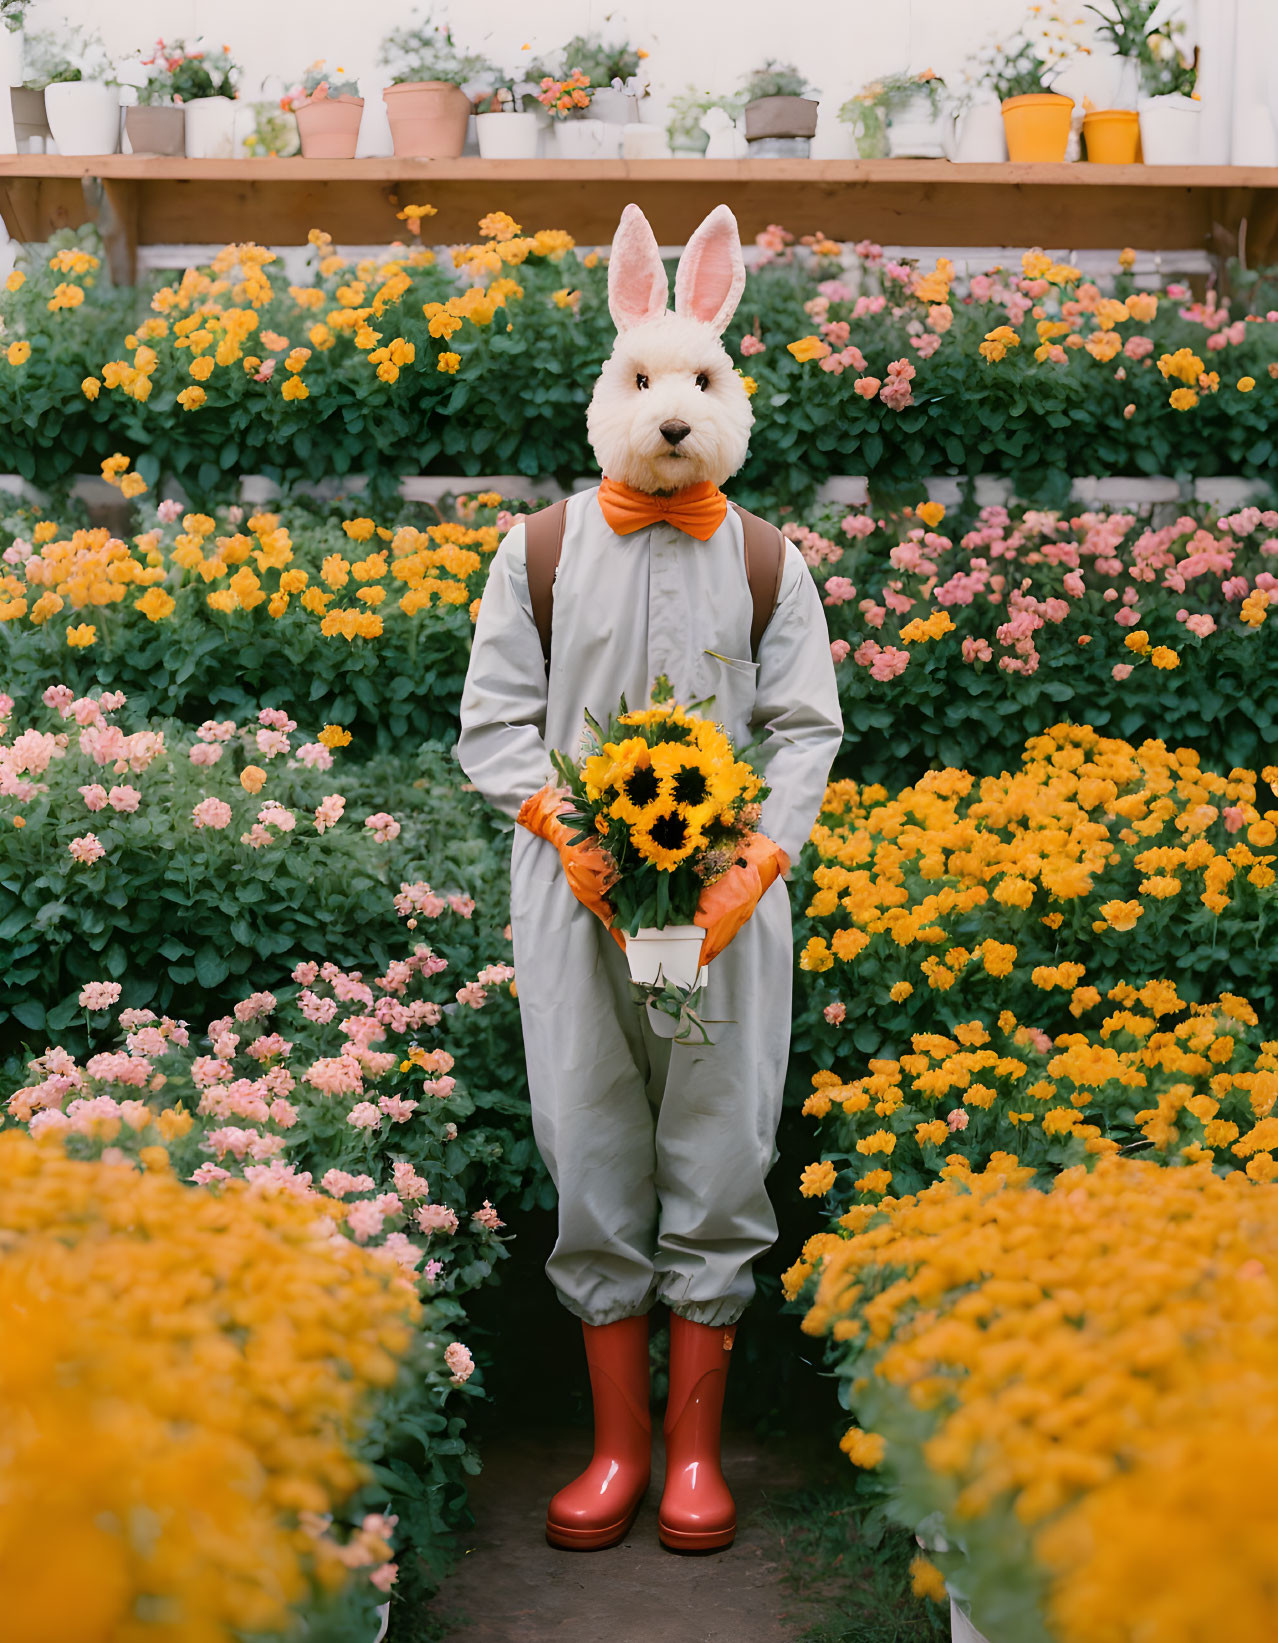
(698, 510)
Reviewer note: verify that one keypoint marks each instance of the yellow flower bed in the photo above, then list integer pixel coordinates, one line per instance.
(259, 567)
(182, 1376)
(1184, 1083)
(1094, 862)
(1078, 1386)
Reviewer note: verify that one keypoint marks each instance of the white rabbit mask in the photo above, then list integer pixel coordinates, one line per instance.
(668, 409)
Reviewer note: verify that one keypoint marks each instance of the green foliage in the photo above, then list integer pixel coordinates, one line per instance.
(423, 50)
(176, 911)
(527, 367)
(600, 61)
(1045, 596)
(281, 1049)
(775, 79)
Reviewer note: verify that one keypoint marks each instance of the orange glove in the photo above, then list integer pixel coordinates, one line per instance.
(589, 869)
(727, 904)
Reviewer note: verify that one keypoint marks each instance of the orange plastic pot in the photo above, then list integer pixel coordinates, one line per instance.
(1037, 125)
(1112, 136)
(428, 118)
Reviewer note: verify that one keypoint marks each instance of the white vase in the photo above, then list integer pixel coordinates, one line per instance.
(915, 132)
(84, 116)
(982, 138)
(507, 136)
(1169, 128)
(577, 139)
(210, 128)
(674, 952)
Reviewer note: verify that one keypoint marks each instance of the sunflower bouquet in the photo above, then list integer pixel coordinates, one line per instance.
(669, 802)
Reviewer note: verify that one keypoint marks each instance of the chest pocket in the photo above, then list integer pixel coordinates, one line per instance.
(734, 680)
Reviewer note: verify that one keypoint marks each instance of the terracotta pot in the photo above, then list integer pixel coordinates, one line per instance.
(780, 117)
(156, 128)
(1112, 136)
(329, 126)
(427, 118)
(1037, 126)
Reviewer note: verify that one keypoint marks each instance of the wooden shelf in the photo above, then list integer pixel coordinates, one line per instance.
(146, 201)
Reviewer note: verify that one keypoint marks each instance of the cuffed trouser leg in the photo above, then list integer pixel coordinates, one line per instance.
(659, 1151)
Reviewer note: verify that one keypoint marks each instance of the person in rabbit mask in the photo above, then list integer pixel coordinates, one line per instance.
(659, 1152)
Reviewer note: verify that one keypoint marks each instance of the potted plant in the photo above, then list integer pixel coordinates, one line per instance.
(577, 137)
(1112, 132)
(504, 128)
(156, 124)
(81, 93)
(613, 70)
(778, 110)
(684, 130)
(1169, 109)
(274, 133)
(1021, 72)
(203, 82)
(425, 101)
(900, 116)
(26, 103)
(328, 109)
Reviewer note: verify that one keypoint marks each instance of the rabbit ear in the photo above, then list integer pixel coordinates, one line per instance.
(638, 289)
(711, 274)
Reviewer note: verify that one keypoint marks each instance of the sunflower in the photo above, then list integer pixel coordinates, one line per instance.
(696, 782)
(604, 769)
(638, 786)
(667, 839)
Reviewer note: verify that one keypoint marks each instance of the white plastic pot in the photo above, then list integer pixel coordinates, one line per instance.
(210, 128)
(1169, 128)
(507, 136)
(577, 139)
(84, 116)
(644, 142)
(674, 952)
(616, 107)
(915, 132)
(982, 138)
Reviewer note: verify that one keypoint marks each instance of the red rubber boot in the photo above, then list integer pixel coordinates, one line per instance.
(596, 1509)
(697, 1510)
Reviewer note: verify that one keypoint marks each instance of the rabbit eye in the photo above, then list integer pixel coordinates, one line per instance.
(641, 381)
(703, 381)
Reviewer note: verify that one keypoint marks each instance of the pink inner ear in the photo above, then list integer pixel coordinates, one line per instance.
(711, 273)
(638, 289)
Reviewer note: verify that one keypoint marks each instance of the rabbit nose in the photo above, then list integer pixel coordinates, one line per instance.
(674, 431)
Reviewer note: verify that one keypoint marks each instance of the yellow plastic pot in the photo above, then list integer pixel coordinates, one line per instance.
(1037, 125)
(1112, 136)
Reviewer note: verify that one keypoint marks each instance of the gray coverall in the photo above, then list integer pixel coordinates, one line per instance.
(659, 1151)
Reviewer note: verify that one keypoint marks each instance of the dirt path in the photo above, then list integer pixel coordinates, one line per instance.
(511, 1587)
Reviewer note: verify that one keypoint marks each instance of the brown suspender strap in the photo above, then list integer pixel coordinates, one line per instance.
(764, 560)
(543, 543)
